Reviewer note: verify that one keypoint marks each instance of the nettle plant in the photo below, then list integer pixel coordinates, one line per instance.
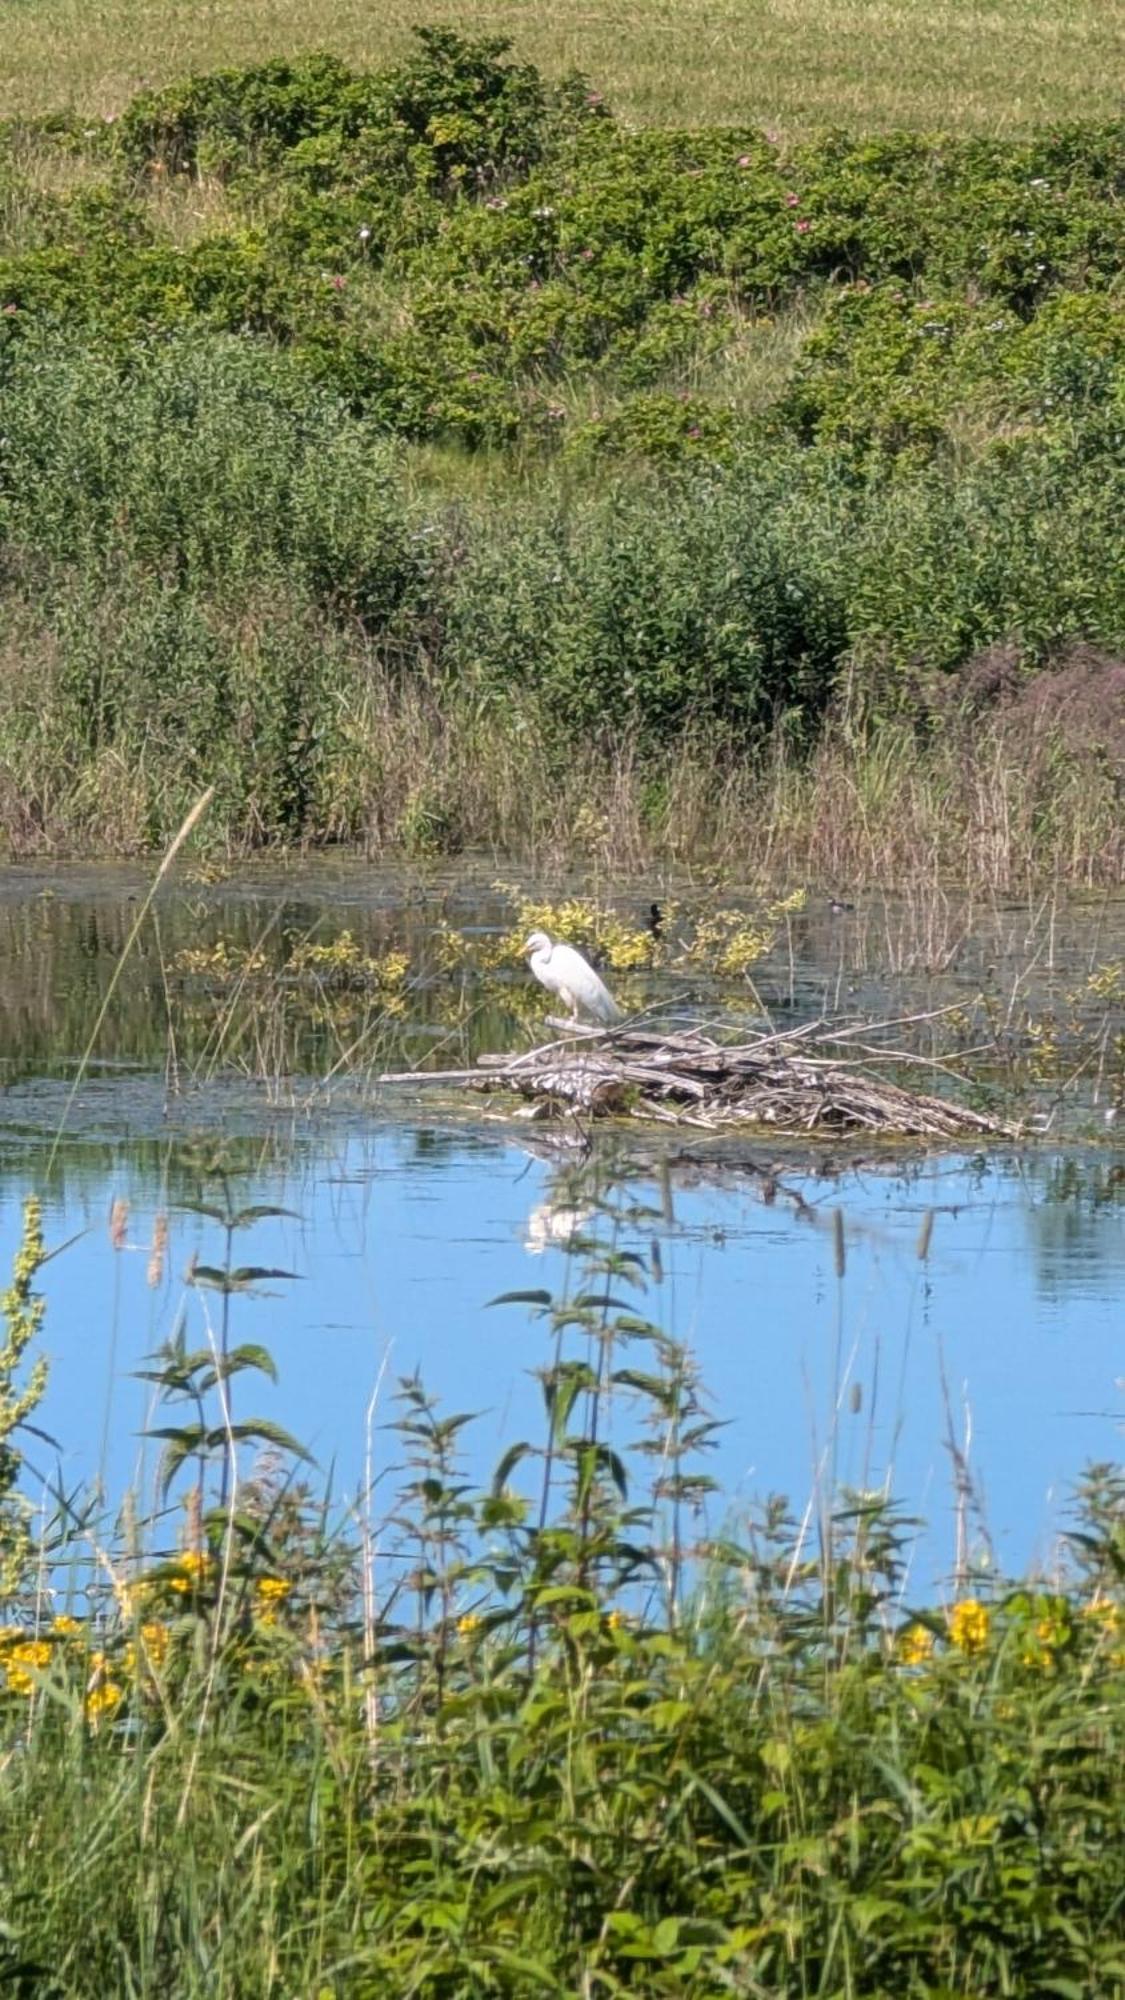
(208, 1444)
(570, 1543)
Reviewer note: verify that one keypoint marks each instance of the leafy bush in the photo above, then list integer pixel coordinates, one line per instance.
(212, 461)
(446, 237)
(198, 422)
(455, 108)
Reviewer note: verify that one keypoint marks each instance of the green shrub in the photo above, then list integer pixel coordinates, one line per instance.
(214, 462)
(448, 238)
(454, 108)
(198, 420)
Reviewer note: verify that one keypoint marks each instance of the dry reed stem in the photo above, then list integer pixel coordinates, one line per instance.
(186, 830)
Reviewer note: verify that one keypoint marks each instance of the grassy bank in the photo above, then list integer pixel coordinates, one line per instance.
(424, 458)
(557, 1735)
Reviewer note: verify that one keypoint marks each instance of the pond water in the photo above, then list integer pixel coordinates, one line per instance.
(409, 1213)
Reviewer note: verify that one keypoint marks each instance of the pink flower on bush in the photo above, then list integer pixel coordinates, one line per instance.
(792, 200)
(802, 227)
(745, 160)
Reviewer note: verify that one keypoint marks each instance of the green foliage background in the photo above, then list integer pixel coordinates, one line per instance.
(315, 380)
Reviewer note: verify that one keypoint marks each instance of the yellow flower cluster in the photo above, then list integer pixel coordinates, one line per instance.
(915, 1645)
(731, 941)
(468, 1624)
(344, 962)
(103, 1701)
(220, 961)
(23, 1660)
(270, 1592)
(969, 1625)
(193, 1570)
(581, 921)
(152, 1649)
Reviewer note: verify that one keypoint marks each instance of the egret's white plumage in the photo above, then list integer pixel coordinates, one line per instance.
(564, 971)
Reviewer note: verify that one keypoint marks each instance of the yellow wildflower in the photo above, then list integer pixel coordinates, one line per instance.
(968, 1625)
(152, 1648)
(155, 1637)
(1104, 1613)
(103, 1700)
(66, 1626)
(468, 1624)
(23, 1662)
(194, 1568)
(915, 1645)
(271, 1592)
(615, 1620)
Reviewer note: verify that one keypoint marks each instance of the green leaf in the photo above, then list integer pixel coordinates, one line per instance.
(206, 1209)
(540, 1299)
(239, 1280)
(261, 1212)
(719, 1805)
(260, 1430)
(512, 1457)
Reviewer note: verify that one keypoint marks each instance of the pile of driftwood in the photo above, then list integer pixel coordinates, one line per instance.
(807, 1080)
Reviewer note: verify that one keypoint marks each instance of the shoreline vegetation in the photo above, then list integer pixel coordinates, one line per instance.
(577, 1730)
(428, 460)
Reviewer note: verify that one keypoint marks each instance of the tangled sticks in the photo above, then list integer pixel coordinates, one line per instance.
(802, 1081)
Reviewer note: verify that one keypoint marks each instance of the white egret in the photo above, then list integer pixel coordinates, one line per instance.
(564, 971)
(549, 1226)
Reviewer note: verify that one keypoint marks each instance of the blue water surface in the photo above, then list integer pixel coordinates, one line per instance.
(1010, 1333)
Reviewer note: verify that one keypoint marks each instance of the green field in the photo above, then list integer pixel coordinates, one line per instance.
(796, 64)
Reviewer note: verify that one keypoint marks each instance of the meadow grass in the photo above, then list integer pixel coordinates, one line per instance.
(798, 65)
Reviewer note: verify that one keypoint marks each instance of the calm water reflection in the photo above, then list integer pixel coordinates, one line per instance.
(406, 1229)
(403, 1236)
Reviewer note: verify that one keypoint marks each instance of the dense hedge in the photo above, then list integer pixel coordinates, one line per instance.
(448, 239)
(218, 557)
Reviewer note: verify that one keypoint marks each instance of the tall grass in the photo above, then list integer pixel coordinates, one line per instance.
(555, 1735)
